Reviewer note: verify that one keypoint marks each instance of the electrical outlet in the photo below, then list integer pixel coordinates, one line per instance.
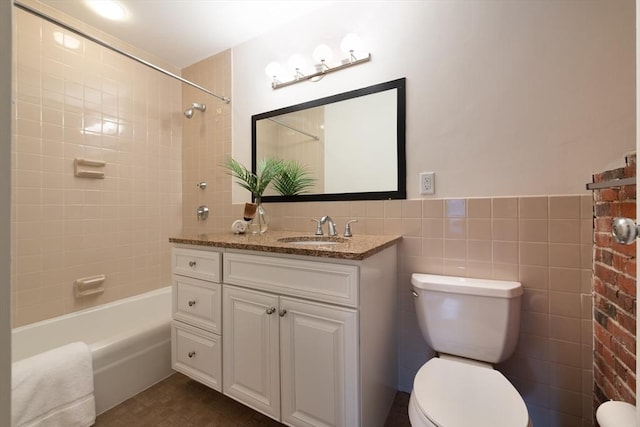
(428, 183)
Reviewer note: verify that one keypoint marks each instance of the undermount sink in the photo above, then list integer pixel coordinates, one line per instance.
(313, 240)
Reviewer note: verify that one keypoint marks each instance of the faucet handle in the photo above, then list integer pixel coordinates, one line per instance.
(347, 228)
(318, 227)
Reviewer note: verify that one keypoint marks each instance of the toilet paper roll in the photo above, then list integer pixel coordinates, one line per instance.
(239, 226)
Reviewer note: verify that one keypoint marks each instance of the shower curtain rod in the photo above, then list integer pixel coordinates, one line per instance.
(292, 128)
(115, 49)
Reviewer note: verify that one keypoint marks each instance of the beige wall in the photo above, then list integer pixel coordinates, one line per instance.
(89, 102)
(503, 97)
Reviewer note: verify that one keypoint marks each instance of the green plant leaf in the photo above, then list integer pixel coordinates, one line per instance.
(293, 179)
(256, 183)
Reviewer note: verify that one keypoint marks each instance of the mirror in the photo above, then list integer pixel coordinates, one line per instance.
(352, 144)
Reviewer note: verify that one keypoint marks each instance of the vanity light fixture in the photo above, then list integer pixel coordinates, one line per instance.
(351, 45)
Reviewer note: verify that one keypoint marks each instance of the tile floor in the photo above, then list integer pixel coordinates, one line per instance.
(179, 401)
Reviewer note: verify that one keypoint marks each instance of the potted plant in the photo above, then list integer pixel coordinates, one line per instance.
(256, 183)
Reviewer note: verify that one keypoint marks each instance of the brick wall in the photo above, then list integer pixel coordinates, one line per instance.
(614, 284)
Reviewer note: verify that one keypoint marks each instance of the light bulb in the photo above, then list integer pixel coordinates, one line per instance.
(322, 53)
(351, 43)
(297, 62)
(274, 70)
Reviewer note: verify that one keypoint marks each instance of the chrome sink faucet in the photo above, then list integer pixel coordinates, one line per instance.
(331, 227)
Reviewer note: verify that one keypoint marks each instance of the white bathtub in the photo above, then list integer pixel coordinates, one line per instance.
(130, 341)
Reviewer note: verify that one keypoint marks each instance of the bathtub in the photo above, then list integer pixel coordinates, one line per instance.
(130, 342)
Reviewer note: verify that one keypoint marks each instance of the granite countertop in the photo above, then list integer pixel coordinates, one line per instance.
(357, 247)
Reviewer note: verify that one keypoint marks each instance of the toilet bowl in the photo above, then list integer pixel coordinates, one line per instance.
(471, 324)
(451, 392)
(616, 414)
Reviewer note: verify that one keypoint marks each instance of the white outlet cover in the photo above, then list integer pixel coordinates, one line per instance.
(427, 183)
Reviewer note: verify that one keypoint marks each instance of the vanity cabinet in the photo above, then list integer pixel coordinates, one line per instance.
(306, 340)
(196, 343)
(291, 359)
(310, 342)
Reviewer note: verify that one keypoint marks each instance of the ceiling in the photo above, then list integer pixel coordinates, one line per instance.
(183, 32)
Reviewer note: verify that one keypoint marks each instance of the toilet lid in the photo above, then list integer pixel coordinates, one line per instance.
(456, 394)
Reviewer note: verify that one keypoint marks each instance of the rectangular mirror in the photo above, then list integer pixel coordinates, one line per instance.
(353, 143)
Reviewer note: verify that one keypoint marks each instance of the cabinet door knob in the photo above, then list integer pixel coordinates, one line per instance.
(282, 312)
(192, 263)
(271, 310)
(191, 354)
(192, 303)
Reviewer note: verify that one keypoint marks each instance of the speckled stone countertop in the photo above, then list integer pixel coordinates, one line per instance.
(357, 247)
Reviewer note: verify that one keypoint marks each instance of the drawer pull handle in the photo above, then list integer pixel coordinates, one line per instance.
(271, 310)
(282, 312)
(192, 303)
(192, 263)
(191, 354)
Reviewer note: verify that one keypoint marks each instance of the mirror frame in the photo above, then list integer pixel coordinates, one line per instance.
(399, 193)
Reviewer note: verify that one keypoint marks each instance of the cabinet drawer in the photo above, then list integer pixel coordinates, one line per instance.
(197, 302)
(200, 264)
(197, 353)
(319, 281)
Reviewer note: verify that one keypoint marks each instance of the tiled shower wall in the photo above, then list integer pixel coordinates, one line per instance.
(75, 99)
(544, 242)
(207, 145)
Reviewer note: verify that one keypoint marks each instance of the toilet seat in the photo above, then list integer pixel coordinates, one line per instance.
(452, 393)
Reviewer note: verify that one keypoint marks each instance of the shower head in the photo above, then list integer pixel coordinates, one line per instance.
(194, 106)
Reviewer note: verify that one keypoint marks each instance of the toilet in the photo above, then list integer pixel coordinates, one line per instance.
(471, 324)
(616, 414)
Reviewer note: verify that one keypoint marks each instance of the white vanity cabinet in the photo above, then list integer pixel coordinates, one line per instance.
(310, 342)
(291, 359)
(307, 340)
(196, 343)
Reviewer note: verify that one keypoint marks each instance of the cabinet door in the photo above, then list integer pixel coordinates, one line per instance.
(319, 362)
(251, 367)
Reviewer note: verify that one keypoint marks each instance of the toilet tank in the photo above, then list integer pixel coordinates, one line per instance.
(474, 318)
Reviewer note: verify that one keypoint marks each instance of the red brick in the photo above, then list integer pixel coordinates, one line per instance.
(608, 194)
(605, 274)
(630, 171)
(628, 322)
(628, 192)
(630, 268)
(602, 225)
(624, 209)
(627, 285)
(628, 250)
(621, 334)
(620, 261)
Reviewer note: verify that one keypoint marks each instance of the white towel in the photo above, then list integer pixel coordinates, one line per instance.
(239, 226)
(54, 388)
